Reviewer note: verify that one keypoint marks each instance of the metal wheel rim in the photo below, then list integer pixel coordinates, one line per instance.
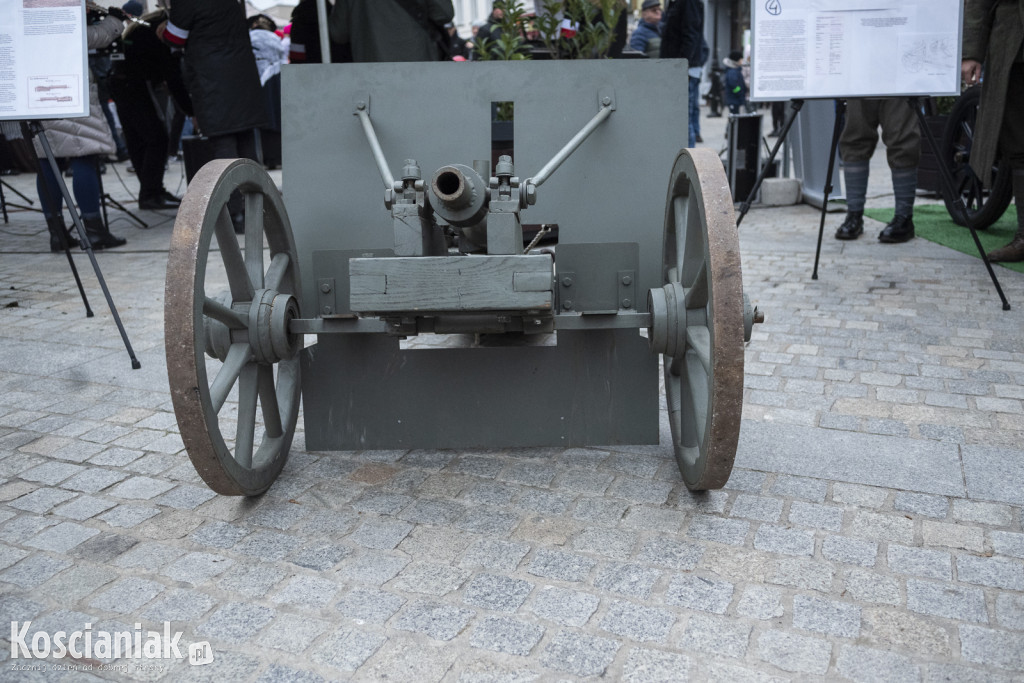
(202, 214)
(704, 383)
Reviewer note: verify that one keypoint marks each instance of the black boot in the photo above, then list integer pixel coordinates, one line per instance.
(852, 227)
(1014, 251)
(57, 228)
(899, 229)
(99, 235)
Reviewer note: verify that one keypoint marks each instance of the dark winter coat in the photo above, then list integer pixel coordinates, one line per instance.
(147, 59)
(735, 85)
(994, 36)
(647, 39)
(305, 47)
(382, 31)
(682, 32)
(220, 69)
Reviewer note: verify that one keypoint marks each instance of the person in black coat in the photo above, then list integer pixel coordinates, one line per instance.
(221, 75)
(682, 35)
(147, 63)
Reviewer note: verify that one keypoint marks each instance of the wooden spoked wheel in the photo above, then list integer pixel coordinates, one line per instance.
(698, 320)
(234, 345)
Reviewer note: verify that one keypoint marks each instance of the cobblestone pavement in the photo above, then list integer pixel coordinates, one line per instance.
(872, 529)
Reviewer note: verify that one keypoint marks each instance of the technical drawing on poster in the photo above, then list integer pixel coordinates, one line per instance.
(854, 48)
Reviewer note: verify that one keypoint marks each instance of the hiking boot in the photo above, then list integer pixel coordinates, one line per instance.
(99, 235)
(899, 229)
(852, 227)
(1014, 251)
(57, 228)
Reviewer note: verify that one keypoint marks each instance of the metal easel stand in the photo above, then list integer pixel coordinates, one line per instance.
(955, 203)
(4, 203)
(34, 128)
(745, 206)
(837, 129)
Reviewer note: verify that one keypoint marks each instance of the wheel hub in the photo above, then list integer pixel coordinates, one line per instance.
(270, 315)
(667, 333)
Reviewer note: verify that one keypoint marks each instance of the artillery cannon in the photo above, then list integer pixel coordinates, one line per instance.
(635, 282)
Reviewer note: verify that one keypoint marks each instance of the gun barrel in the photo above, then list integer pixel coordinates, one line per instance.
(459, 195)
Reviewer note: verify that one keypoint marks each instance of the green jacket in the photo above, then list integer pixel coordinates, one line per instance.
(383, 31)
(994, 36)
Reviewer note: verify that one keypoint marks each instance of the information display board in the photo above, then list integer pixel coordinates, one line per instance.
(806, 49)
(43, 59)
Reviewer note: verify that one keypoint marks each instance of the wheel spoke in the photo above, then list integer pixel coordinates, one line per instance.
(238, 355)
(697, 380)
(221, 313)
(254, 237)
(247, 393)
(698, 339)
(697, 295)
(268, 401)
(278, 269)
(238, 278)
(680, 207)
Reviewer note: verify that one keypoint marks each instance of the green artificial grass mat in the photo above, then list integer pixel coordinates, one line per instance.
(932, 222)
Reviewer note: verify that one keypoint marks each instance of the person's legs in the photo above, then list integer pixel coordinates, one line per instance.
(902, 137)
(694, 111)
(235, 146)
(856, 145)
(1011, 143)
(86, 186)
(52, 202)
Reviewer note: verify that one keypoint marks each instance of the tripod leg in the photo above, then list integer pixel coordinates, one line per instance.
(947, 185)
(836, 131)
(121, 207)
(3, 204)
(88, 246)
(745, 206)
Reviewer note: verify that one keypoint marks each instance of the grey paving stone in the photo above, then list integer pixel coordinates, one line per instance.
(494, 554)
(478, 466)
(944, 600)
(347, 649)
(637, 622)
(707, 502)
(372, 568)
(278, 673)
(636, 490)
(75, 583)
(815, 515)
(992, 648)
(579, 654)
(185, 497)
(380, 502)
(437, 620)
(104, 547)
(506, 634)
(180, 605)
(139, 488)
(949, 672)
(670, 553)
(933, 564)
(369, 605)
(795, 653)
(612, 543)
(62, 538)
(644, 665)
(801, 573)
(33, 570)
(902, 463)
(544, 502)
(236, 622)
(83, 507)
(1010, 611)
(198, 568)
(970, 538)
(268, 545)
(24, 527)
(849, 550)
(127, 595)
(219, 535)
(650, 518)
(826, 616)
(866, 664)
(491, 493)
(760, 602)
(430, 579)
(41, 501)
(921, 504)
(51, 473)
(707, 528)
(994, 473)
(500, 593)
(528, 473)
(992, 514)
(252, 580)
(597, 511)
(861, 496)
(761, 508)
(776, 539)
(882, 527)
(292, 633)
(991, 571)
(747, 480)
(697, 592)
(627, 579)
(551, 564)
(307, 591)
(488, 521)
(382, 534)
(128, 516)
(1007, 543)
(116, 457)
(716, 635)
(149, 555)
(437, 512)
(564, 606)
(320, 556)
(871, 587)
(584, 481)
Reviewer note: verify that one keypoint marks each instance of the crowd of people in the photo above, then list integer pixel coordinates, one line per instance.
(206, 60)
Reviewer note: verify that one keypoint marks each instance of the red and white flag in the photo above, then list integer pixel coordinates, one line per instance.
(568, 28)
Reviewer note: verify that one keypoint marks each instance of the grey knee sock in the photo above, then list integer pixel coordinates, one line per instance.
(856, 175)
(904, 188)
